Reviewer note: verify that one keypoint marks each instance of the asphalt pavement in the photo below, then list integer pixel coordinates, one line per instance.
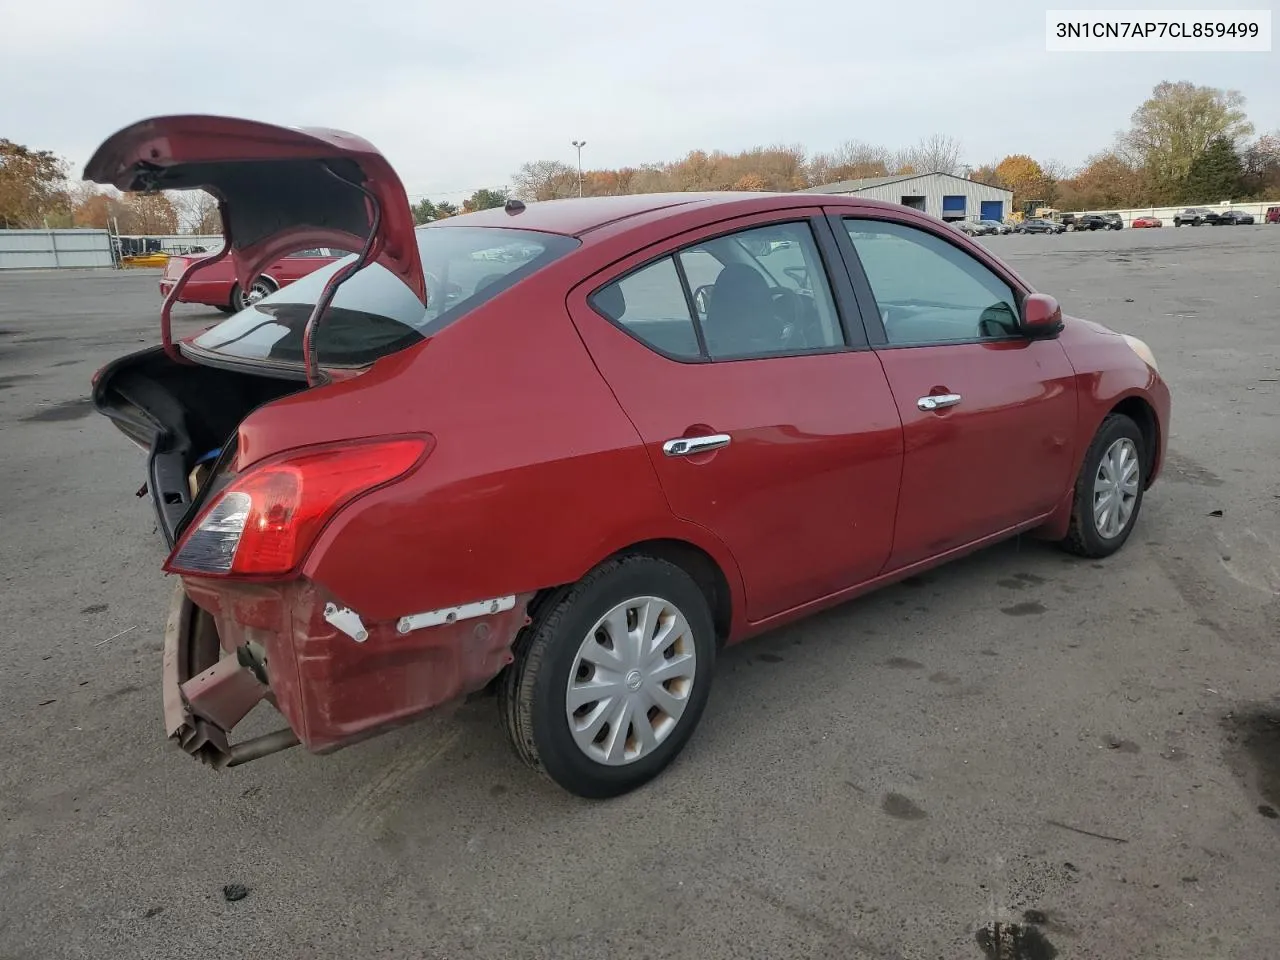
(1086, 751)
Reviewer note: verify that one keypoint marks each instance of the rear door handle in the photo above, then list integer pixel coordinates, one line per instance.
(687, 446)
(936, 401)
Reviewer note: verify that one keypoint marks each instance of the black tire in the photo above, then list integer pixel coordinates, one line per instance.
(533, 690)
(1083, 538)
(225, 308)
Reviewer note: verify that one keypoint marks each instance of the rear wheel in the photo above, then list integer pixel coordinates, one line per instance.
(611, 678)
(262, 287)
(1108, 494)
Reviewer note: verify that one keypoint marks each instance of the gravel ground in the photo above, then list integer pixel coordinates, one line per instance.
(1088, 750)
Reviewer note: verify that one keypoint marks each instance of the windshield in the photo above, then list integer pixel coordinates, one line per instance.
(374, 313)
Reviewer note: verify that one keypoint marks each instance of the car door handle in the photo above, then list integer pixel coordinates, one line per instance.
(687, 446)
(938, 400)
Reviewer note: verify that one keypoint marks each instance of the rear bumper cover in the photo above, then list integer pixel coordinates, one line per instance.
(228, 647)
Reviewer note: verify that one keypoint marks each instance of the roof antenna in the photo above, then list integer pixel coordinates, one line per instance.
(514, 206)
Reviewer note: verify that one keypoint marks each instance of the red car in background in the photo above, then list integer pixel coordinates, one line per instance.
(215, 285)
(1140, 222)
(567, 452)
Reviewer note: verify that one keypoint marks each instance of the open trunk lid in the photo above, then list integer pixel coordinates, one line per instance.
(280, 189)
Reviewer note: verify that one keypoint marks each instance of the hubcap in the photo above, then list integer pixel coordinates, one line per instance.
(257, 292)
(631, 681)
(1115, 488)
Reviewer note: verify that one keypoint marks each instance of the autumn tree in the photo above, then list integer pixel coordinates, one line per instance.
(148, 214)
(987, 174)
(1176, 125)
(545, 180)
(484, 199)
(1026, 178)
(1215, 174)
(1108, 181)
(31, 186)
(750, 182)
(94, 207)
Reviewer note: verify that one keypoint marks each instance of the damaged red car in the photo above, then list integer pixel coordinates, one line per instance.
(567, 451)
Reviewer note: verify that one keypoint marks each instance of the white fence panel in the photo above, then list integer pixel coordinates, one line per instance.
(48, 249)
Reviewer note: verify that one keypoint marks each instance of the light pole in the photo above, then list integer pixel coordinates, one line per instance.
(579, 144)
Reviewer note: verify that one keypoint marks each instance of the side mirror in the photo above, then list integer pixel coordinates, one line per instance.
(1041, 316)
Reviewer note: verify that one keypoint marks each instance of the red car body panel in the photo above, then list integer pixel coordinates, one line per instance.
(548, 423)
(1146, 222)
(806, 429)
(1018, 410)
(212, 285)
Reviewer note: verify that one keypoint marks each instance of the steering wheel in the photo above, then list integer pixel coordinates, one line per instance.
(788, 307)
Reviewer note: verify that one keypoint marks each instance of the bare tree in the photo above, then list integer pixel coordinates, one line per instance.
(545, 180)
(197, 212)
(938, 153)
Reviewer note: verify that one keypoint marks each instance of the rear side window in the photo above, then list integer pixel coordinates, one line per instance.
(374, 313)
(651, 305)
(761, 292)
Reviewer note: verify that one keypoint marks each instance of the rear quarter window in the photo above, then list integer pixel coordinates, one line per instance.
(374, 313)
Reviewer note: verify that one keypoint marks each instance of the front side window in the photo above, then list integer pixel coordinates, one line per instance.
(928, 290)
(755, 293)
(374, 313)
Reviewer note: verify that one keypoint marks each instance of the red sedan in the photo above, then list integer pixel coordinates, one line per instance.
(216, 285)
(569, 451)
(1140, 222)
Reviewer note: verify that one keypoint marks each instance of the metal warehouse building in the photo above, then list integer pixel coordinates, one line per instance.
(941, 195)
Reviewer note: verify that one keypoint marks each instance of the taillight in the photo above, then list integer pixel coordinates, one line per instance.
(266, 520)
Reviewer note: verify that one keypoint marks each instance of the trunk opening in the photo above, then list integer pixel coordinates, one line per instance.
(186, 416)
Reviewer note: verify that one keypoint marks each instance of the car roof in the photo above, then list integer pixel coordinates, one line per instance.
(580, 215)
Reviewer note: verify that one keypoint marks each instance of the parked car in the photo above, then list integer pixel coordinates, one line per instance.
(1039, 226)
(1140, 223)
(1195, 217)
(1234, 218)
(1098, 221)
(995, 226)
(575, 476)
(970, 228)
(1273, 215)
(215, 285)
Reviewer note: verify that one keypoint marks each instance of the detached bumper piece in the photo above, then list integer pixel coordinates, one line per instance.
(207, 692)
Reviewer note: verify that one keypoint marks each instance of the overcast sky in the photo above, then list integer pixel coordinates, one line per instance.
(458, 94)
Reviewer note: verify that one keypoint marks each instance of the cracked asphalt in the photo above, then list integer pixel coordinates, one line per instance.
(1087, 750)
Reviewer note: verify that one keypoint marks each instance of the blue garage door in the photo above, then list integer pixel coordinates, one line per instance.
(953, 206)
(992, 209)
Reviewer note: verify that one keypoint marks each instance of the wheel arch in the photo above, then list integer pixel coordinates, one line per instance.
(704, 570)
(1138, 409)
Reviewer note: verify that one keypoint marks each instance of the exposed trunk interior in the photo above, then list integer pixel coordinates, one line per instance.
(186, 417)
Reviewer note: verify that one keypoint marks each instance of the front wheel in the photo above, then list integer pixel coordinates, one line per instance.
(1108, 493)
(611, 677)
